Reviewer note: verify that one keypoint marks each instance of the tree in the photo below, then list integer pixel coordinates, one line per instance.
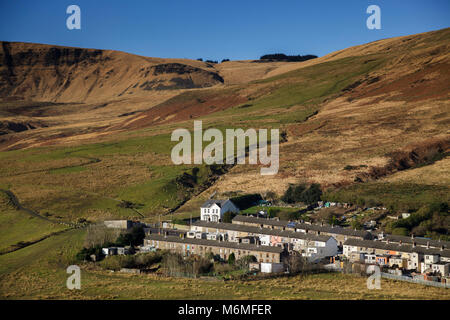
(231, 259)
(99, 235)
(245, 261)
(288, 196)
(295, 263)
(356, 225)
(300, 193)
(133, 238)
(228, 216)
(271, 196)
(312, 194)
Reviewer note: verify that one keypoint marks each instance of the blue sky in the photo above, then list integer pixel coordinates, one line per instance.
(211, 29)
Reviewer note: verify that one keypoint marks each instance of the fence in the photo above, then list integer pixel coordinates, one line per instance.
(419, 281)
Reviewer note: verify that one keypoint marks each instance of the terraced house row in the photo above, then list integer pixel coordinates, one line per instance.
(188, 246)
(395, 255)
(340, 234)
(314, 247)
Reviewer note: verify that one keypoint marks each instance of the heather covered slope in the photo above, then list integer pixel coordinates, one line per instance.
(80, 154)
(63, 74)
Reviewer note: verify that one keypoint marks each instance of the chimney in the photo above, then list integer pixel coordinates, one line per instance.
(428, 244)
(412, 236)
(414, 244)
(442, 248)
(165, 234)
(387, 241)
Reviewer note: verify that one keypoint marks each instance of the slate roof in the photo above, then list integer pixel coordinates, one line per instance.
(271, 222)
(212, 243)
(376, 244)
(208, 203)
(258, 230)
(303, 226)
(419, 241)
(331, 229)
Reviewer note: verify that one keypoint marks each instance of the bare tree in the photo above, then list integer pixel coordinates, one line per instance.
(295, 263)
(99, 234)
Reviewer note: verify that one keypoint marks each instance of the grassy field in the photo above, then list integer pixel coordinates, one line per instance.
(18, 227)
(38, 272)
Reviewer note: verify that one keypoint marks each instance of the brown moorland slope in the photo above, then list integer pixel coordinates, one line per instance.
(356, 107)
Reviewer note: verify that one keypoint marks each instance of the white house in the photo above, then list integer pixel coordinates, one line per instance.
(213, 210)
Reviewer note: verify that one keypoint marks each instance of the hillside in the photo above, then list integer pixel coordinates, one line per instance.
(83, 129)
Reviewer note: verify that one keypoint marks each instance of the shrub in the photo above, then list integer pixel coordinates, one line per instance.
(85, 253)
(300, 193)
(231, 259)
(118, 262)
(228, 216)
(245, 261)
(400, 231)
(357, 225)
(144, 260)
(246, 201)
(132, 238)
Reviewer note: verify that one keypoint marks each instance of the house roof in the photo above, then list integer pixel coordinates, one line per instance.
(210, 202)
(250, 219)
(419, 241)
(212, 243)
(376, 244)
(303, 226)
(258, 230)
(332, 229)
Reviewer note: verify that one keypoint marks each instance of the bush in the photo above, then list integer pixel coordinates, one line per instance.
(300, 193)
(118, 262)
(245, 261)
(357, 225)
(145, 260)
(134, 237)
(175, 263)
(222, 268)
(231, 259)
(228, 216)
(85, 253)
(246, 201)
(400, 231)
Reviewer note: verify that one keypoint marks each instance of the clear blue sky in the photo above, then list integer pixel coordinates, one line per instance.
(211, 29)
